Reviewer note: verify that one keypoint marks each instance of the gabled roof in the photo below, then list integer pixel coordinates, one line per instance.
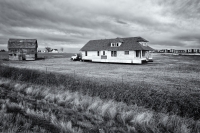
(54, 49)
(117, 40)
(22, 43)
(22, 40)
(131, 43)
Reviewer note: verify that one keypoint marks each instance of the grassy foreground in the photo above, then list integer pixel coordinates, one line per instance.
(35, 108)
(4, 55)
(177, 102)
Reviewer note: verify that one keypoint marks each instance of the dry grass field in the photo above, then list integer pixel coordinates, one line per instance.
(54, 94)
(166, 72)
(29, 108)
(3, 56)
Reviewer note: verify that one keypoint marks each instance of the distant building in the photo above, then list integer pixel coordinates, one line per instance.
(162, 51)
(192, 51)
(165, 50)
(172, 50)
(196, 50)
(54, 51)
(179, 51)
(154, 51)
(22, 49)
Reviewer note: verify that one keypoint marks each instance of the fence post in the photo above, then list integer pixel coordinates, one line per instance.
(46, 76)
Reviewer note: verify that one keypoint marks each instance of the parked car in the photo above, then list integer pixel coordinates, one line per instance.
(76, 57)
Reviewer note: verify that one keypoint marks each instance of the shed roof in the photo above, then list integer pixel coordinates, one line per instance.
(131, 43)
(22, 43)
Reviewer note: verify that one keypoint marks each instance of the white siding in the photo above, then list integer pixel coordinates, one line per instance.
(120, 58)
(121, 55)
(90, 55)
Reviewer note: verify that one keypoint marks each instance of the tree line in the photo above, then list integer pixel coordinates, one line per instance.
(49, 49)
(2, 50)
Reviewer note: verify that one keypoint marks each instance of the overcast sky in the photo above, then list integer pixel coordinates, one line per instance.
(72, 23)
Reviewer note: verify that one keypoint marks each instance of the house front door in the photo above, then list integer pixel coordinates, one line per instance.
(138, 53)
(103, 56)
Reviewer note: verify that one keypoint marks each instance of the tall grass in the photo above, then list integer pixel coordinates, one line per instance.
(66, 111)
(178, 102)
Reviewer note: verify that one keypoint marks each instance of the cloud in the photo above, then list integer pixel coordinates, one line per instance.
(182, 8)
(73, 23)
(121, 22)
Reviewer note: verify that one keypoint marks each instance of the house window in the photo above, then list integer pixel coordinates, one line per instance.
(104, 53)
(126, 52)
(114, 53)
(115, 44)
(85, 53)
(137, 53)
(97, 53)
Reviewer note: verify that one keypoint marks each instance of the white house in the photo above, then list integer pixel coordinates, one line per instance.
(119, 50)
(192, 50)
(54, 51)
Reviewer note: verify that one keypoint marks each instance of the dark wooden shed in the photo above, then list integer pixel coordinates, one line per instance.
(22, 49)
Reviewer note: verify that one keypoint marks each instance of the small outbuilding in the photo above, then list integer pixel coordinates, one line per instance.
(22, 49)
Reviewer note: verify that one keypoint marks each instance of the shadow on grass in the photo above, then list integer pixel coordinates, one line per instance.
(40, 58)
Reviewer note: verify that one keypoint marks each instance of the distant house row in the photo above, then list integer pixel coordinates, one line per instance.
(51, 51)
(177, 51)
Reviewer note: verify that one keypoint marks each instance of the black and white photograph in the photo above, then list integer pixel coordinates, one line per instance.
(99, 66)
